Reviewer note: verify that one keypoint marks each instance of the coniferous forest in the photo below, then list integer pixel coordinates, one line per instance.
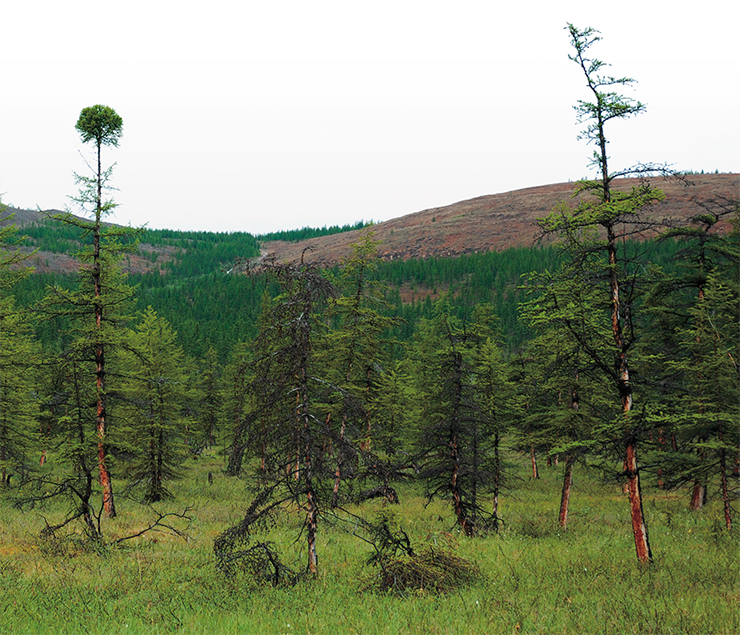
(198, 437)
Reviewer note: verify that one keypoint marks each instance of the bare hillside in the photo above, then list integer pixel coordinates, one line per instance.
(495, 222)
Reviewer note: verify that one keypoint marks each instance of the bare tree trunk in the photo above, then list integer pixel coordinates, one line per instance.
(312, 524)
(533, 458)
(100, 417)
(725, 491)
(639, 528)
(565, 496)
(697, 496)
(723, 484)
(456, 493)
(496, 479)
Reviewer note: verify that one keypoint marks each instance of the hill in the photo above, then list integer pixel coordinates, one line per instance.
(496, 222)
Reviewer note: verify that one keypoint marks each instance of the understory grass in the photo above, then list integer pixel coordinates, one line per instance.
(535, 577)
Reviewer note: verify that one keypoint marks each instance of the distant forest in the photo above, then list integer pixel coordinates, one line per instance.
(294, 235)
(190, 283)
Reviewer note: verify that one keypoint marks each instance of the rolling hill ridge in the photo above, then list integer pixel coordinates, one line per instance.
(498, 221)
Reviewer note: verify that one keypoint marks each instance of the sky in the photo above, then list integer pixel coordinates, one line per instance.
(262, 116)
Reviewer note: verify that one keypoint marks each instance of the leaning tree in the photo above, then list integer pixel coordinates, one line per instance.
(597, 235)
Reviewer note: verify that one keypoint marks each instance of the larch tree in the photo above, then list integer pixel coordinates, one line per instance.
(602, 223)
(352, 350)
(97, 308)
(156, 389)
(19, 408)
(496, 392)
(456, 441)
(676, 309)
(568, 399)
(712, 405)
(208, 398)
(284, 423)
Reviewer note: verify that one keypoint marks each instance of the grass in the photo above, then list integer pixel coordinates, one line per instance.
(536, 578)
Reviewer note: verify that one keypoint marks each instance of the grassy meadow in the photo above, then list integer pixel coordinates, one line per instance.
(535, 577)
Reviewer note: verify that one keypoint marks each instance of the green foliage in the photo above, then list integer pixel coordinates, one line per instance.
(157, 391)
(296, 235)
(457, 440)
(100, 124)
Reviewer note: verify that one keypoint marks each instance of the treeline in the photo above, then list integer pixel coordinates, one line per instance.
(179, 253)
(295, 235)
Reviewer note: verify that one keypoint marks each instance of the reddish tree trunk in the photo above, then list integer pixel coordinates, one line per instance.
(639, 528)
(697, 496)
(565, 496)
(100, 417)
(533, 457)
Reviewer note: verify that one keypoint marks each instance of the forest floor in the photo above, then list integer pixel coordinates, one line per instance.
(535, 577)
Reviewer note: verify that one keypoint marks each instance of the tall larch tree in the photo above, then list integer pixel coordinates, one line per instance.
(97, 307)
(601, 223)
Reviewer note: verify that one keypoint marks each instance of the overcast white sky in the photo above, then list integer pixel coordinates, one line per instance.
(259, 116)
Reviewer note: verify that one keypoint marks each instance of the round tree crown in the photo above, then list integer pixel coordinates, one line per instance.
(101, 124)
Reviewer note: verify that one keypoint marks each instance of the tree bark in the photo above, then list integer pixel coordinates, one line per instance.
(639, 528)
(725, 489)
(565, 496)
(697, 496)
(496, 479)
(100, 417)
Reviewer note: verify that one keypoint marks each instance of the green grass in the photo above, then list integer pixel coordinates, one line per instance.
(536, 578)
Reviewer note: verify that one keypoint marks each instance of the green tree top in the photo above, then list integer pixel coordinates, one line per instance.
(101, 124)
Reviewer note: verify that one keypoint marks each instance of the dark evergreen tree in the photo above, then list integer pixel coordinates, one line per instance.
(456, 439)
(157, 391)
(208, 399)
(353, 352)
(284, 390)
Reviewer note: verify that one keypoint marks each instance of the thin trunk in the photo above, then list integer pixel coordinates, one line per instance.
(723, 483)
(697, 496)
(565, 496)
(457, 501)
(100, 418)
(312, 524)
(338, 470)
(533, 458)
(496, 478)
(661, 445)
(305, 472)
(639, 528)
(725, 489)
(312, 511)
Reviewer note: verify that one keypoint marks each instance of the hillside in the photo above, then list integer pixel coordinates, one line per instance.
(495, 222)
